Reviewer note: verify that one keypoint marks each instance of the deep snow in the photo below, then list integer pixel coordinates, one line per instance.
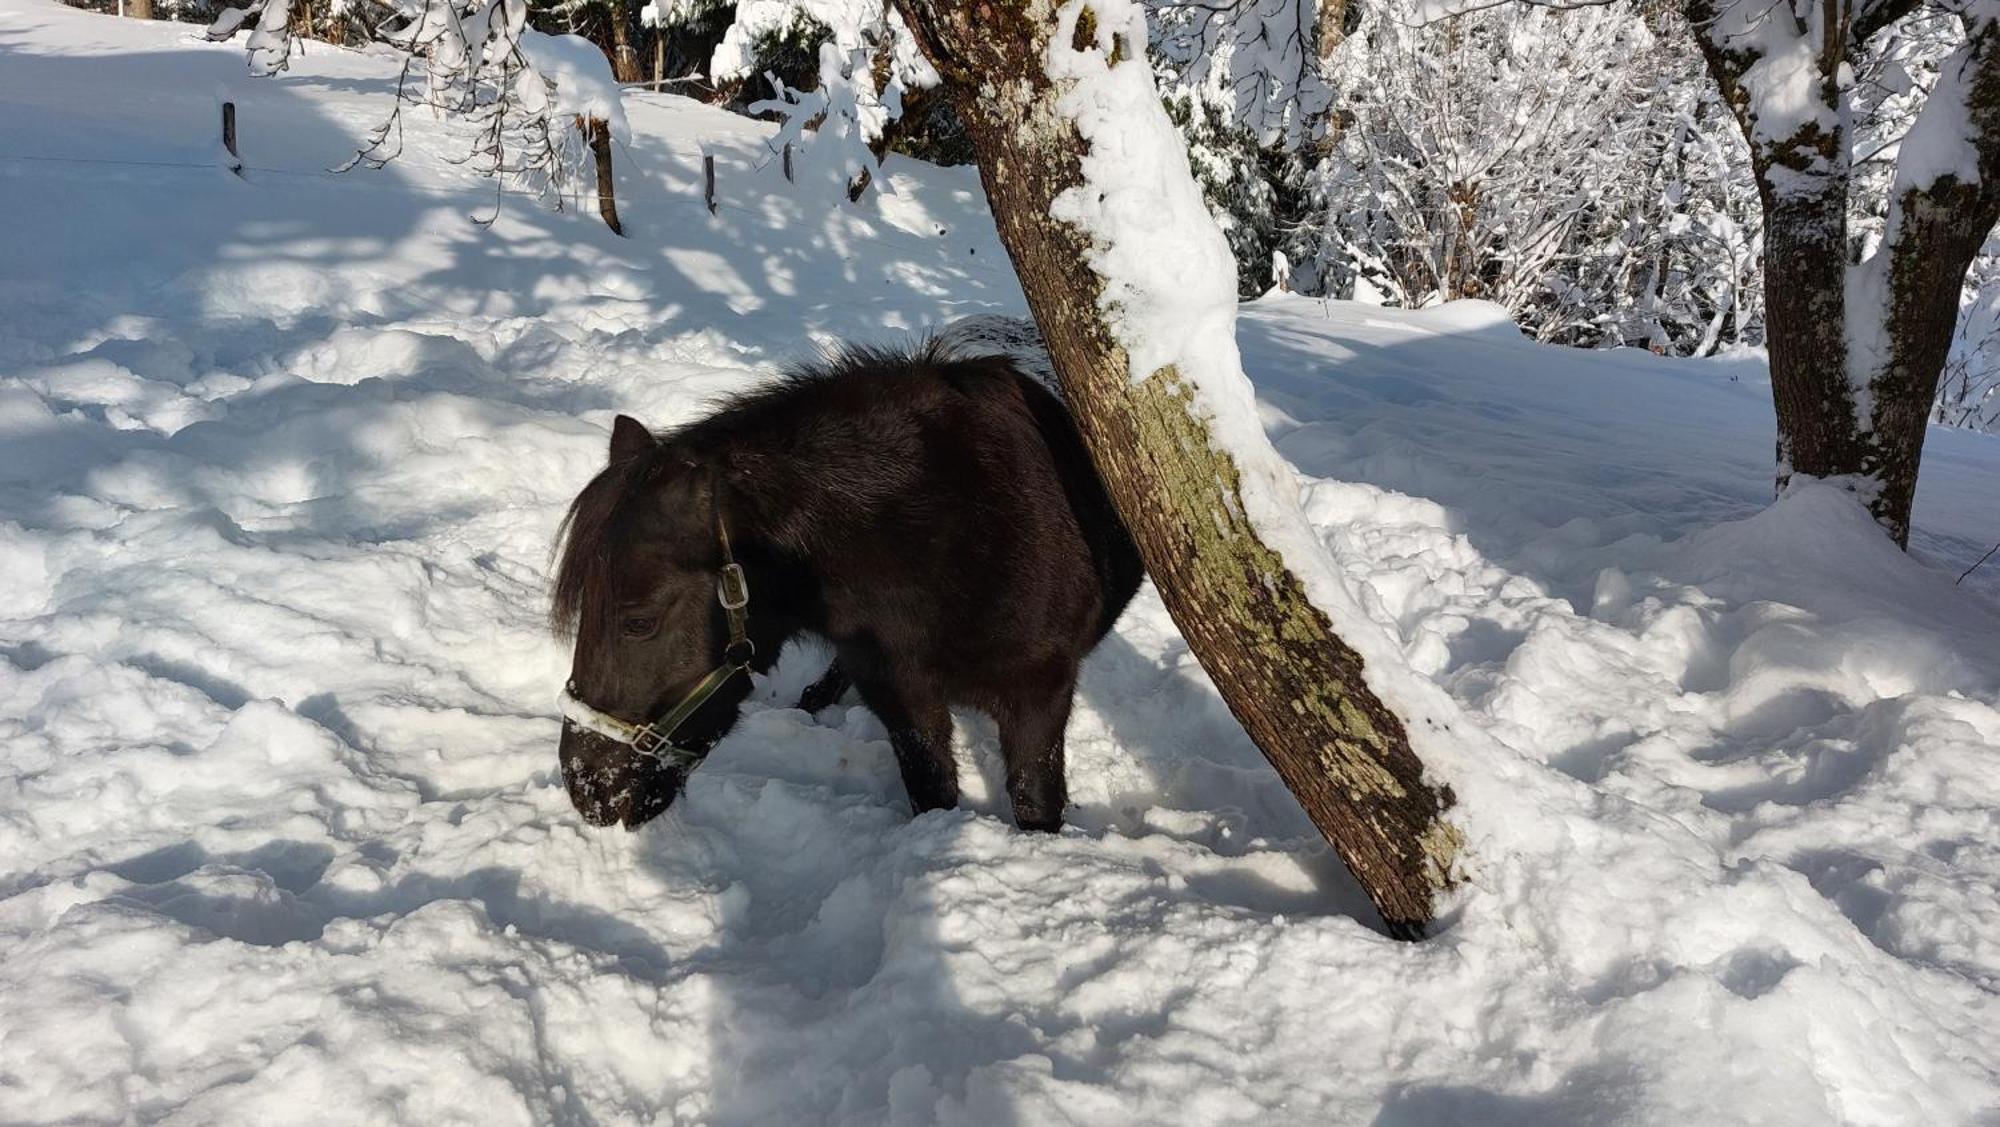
(281, 837)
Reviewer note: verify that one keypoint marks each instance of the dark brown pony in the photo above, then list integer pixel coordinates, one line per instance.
(935, 518)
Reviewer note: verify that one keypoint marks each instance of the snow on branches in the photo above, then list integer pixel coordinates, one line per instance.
(1575, 167)
(1571, 160)
(525, 97)
(867, 59)
(1264, 51)
(270, 43)
(847, 109)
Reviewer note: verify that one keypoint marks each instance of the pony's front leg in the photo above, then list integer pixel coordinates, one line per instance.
(919, 726)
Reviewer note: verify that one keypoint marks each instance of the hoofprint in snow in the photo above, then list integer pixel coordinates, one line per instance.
(283, 838)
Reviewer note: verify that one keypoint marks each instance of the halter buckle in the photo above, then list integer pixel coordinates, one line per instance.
(731, 588)
(648, 741)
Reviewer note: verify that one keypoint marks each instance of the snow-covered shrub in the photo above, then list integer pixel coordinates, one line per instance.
(1236, 180)
(743, 56)
(1572, 166)
(519, 97)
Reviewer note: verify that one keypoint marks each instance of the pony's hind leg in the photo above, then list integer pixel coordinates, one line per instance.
(919, 726)
(1031, 742)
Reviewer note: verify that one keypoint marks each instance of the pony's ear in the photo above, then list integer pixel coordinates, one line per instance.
(629, 439)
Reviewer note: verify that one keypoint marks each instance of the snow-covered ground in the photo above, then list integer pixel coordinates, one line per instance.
(281, 838)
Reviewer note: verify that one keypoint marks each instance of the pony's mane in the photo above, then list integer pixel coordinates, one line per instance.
(594, 519)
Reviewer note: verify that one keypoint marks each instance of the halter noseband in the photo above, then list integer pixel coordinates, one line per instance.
(654, 740)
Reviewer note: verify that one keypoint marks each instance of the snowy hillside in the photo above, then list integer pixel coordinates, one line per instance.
(282, 837)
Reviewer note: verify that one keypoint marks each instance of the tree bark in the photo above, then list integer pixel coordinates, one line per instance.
(1331, 24)
(598, 131)
(624, 59)
(1330, 28)
(1944, 228)
(1893, 343)
(1802, 182)
(1296, 687)
(1805, 324)
(1932, 236)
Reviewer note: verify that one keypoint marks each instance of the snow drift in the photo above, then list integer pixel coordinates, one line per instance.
(281, 830)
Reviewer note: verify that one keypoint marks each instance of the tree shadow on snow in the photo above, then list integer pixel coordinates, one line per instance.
(1589, 1098)
(272, 895)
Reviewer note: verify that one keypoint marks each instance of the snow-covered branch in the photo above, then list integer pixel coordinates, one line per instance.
(522, 97)
(1263, 51)
(270, 42)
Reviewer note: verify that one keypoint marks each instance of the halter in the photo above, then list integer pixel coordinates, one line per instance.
(654, 740)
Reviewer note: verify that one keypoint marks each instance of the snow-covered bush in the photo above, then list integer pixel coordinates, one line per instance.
(519, 97)
(1574, 167)
(743, 56)
(1235, 173)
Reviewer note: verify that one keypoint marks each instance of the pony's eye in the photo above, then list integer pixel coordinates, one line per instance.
(640, 626)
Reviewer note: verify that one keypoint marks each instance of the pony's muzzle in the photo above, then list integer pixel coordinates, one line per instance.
(610, 785)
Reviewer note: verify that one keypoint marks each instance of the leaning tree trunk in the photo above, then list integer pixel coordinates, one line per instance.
(1296, 687)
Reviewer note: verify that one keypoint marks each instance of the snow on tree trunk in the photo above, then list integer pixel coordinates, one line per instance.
(1857, 350)
(1134, 291)
(1943, 207)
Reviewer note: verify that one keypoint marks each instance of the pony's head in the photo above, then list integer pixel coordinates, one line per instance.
(636, 589)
